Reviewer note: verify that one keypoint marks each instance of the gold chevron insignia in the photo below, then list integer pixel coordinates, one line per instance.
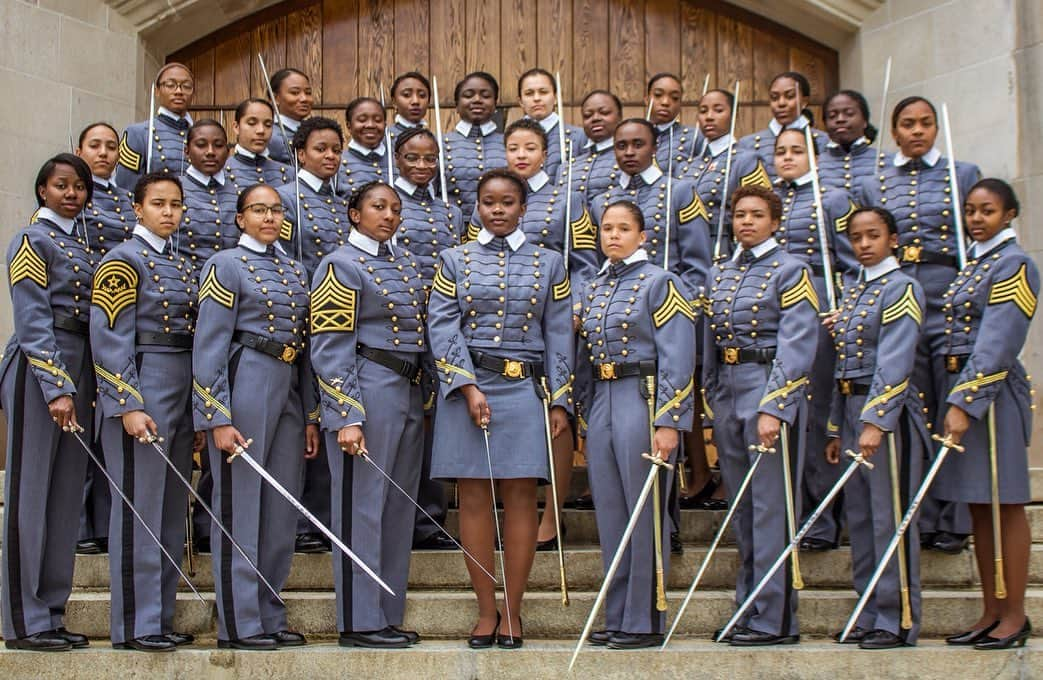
(759, 177)
(841, 223)
(886, 395)
(286, 230)
(442, 284)
(333, 306)
(693, 210)
(675, 303)
(584, 235)
(1016, 289)
(213, 289)
(26, 264)
(906, 306)
(115, 288)
(128, 157)
(804, 290)
(562, 290)
(472, 232)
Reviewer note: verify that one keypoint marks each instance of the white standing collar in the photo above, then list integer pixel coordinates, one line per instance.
(930, 158)
(757, 250)
(366, 243)
(155, 242)
(884, 266)
(64, 223)
(203, 178)
(639, 255)
(515, 239)
(250, 243)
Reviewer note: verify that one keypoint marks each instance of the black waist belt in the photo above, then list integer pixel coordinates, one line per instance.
(848, 387)
(954, 363)
(734, 355)
(388, 360)
(917, 255)
(278, 350)
(508, 368)
(180, 340)
(614, 370)
(72, 324)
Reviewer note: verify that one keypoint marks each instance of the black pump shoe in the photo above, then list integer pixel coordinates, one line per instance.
(484, 641)
(511, 641)
(969, 637)
(1014, 640)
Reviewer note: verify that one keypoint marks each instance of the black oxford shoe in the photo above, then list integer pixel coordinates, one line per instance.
(881, 639)
(816, 545)
(969, 637)
(374, 639)
(854, 637)
(755, 638)
(288, 638)
(309, 544)
(728, 638)
(148, 643)
(436, 541)
(181, 639)
(952, 544)
(77, 640)
(47, 641)
(623, 640)
(254, 643)
(411, 635)
(88, 546)
(600, 638)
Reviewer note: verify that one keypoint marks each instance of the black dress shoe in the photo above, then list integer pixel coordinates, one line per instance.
(202, 544)
(1014, 640)
(88, 546)
(551, 544)
(309, 544)
(730, 635)
(375, 639)
(181, 639)
(927, 540)
(855, 636)
(509, 641)
(411, 635)
(623, 640)
(675, 543)
(881, 639)
(77, 640)
(436, 541)
(288, 638)
(953, 544)
(254, 643)
(600, 638)
(484, 641)
(148, 643)
(47, 641)
(969, 637)
(816, 545)
(584, 502)
(755, 638)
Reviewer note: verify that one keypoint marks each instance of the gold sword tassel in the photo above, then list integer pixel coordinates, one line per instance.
(657, 510)
(903, 567)
(997, 539)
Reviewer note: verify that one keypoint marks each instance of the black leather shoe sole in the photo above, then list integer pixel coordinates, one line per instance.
(258, 643)
(881, 640)
(754, 639)
(146, 645)
(816, 545)
(35, 643)
(600, 638)
(397, 642)
(631, 641)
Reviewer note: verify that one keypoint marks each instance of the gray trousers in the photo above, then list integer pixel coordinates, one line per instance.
(97, 502)
(42, 490)
(266, 407)
(617, 434)
(143, 582)
(372, 518)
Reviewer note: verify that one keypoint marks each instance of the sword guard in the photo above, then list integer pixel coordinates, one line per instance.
(656, 460)
(761, 448)
(947, 442)
(239, 450)
(859, 458)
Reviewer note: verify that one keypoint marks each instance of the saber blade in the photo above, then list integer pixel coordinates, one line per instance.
(499, 537)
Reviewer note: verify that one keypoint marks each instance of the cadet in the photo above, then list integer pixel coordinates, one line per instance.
(209, 195)
(876, 411)
(915, 186)
(294, 98)
(368, 332)
(760, 342)
(47, 390)
(790, 95)
(637, 325)
(799, 234)
(474, 145)
(410, 94)
(849, 156)
(677, 143)
(175, 86)
(493, 343)
(109, 215)
(251, 379)
(365, 159)
(141, 331)
(594, 166)
(537, 92)
(989, 308)
(250, 162)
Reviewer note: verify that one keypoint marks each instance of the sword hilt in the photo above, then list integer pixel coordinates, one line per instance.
(656, 460)
(761, 448)
(859, 458)
(947, 442)
(239, 450)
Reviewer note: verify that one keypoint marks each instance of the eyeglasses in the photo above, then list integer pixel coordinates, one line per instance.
(415, 159)
(185, 86)
(262, 210)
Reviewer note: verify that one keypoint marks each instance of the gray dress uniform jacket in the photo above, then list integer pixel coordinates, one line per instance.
(280, 147)
(359, 165)
(169, 144)
(322, 225)
(762, 142)
(846, 169)
(49, 273)
(688, 141)
(595, 170)
(244, 169)
(552, 166)
(109, 216)
(208, 225)
(470, 150)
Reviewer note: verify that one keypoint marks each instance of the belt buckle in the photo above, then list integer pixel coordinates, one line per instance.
(952, 363)
(911, 253)
(731, 355)
(607, 371)
(512, 369)
(846, 388)
(289, 354)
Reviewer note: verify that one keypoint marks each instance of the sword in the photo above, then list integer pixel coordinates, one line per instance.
(154, 440)
(292, 154)
(669, 203)
(240, 452)
(727, 175)
(388, 151)
(761, 450)
(568, 210)
(791, 549)
(75, 431)
(657, 510)
(947, 445)
(791, 522)
(997, 539)
(554, 492)
(496, 523)
(823, 238)
(151, 127)
(883, 114)
(896, 503)
(365, 456)
(438, 138)
(561, 116)
(957, 207)
(653, 474)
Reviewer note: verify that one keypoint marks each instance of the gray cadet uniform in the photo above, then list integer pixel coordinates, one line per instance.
(875, 340)
(368, 335)
(209, 222)
(141, 331)
(595, 170)
(799, 235)
(636, 323)
(399, 126)
(762, 142)
(109, 216)
(500, 315)
(846, 169)
(470, 150)
(760, 344)
(988, 310)
(360, 165)
(49, 271)
(554, 152)
(279, 147)
(917, 193)
(250, 370)
(169, 148)
(245, 168)
(687, 142)
(707, 173)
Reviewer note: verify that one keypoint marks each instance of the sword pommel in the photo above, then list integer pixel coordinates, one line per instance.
(656, 460)
(860, 459)
(947, 442)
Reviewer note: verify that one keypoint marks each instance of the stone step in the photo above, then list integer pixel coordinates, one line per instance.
(446, 570)
(441, 614)
(451, 660)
